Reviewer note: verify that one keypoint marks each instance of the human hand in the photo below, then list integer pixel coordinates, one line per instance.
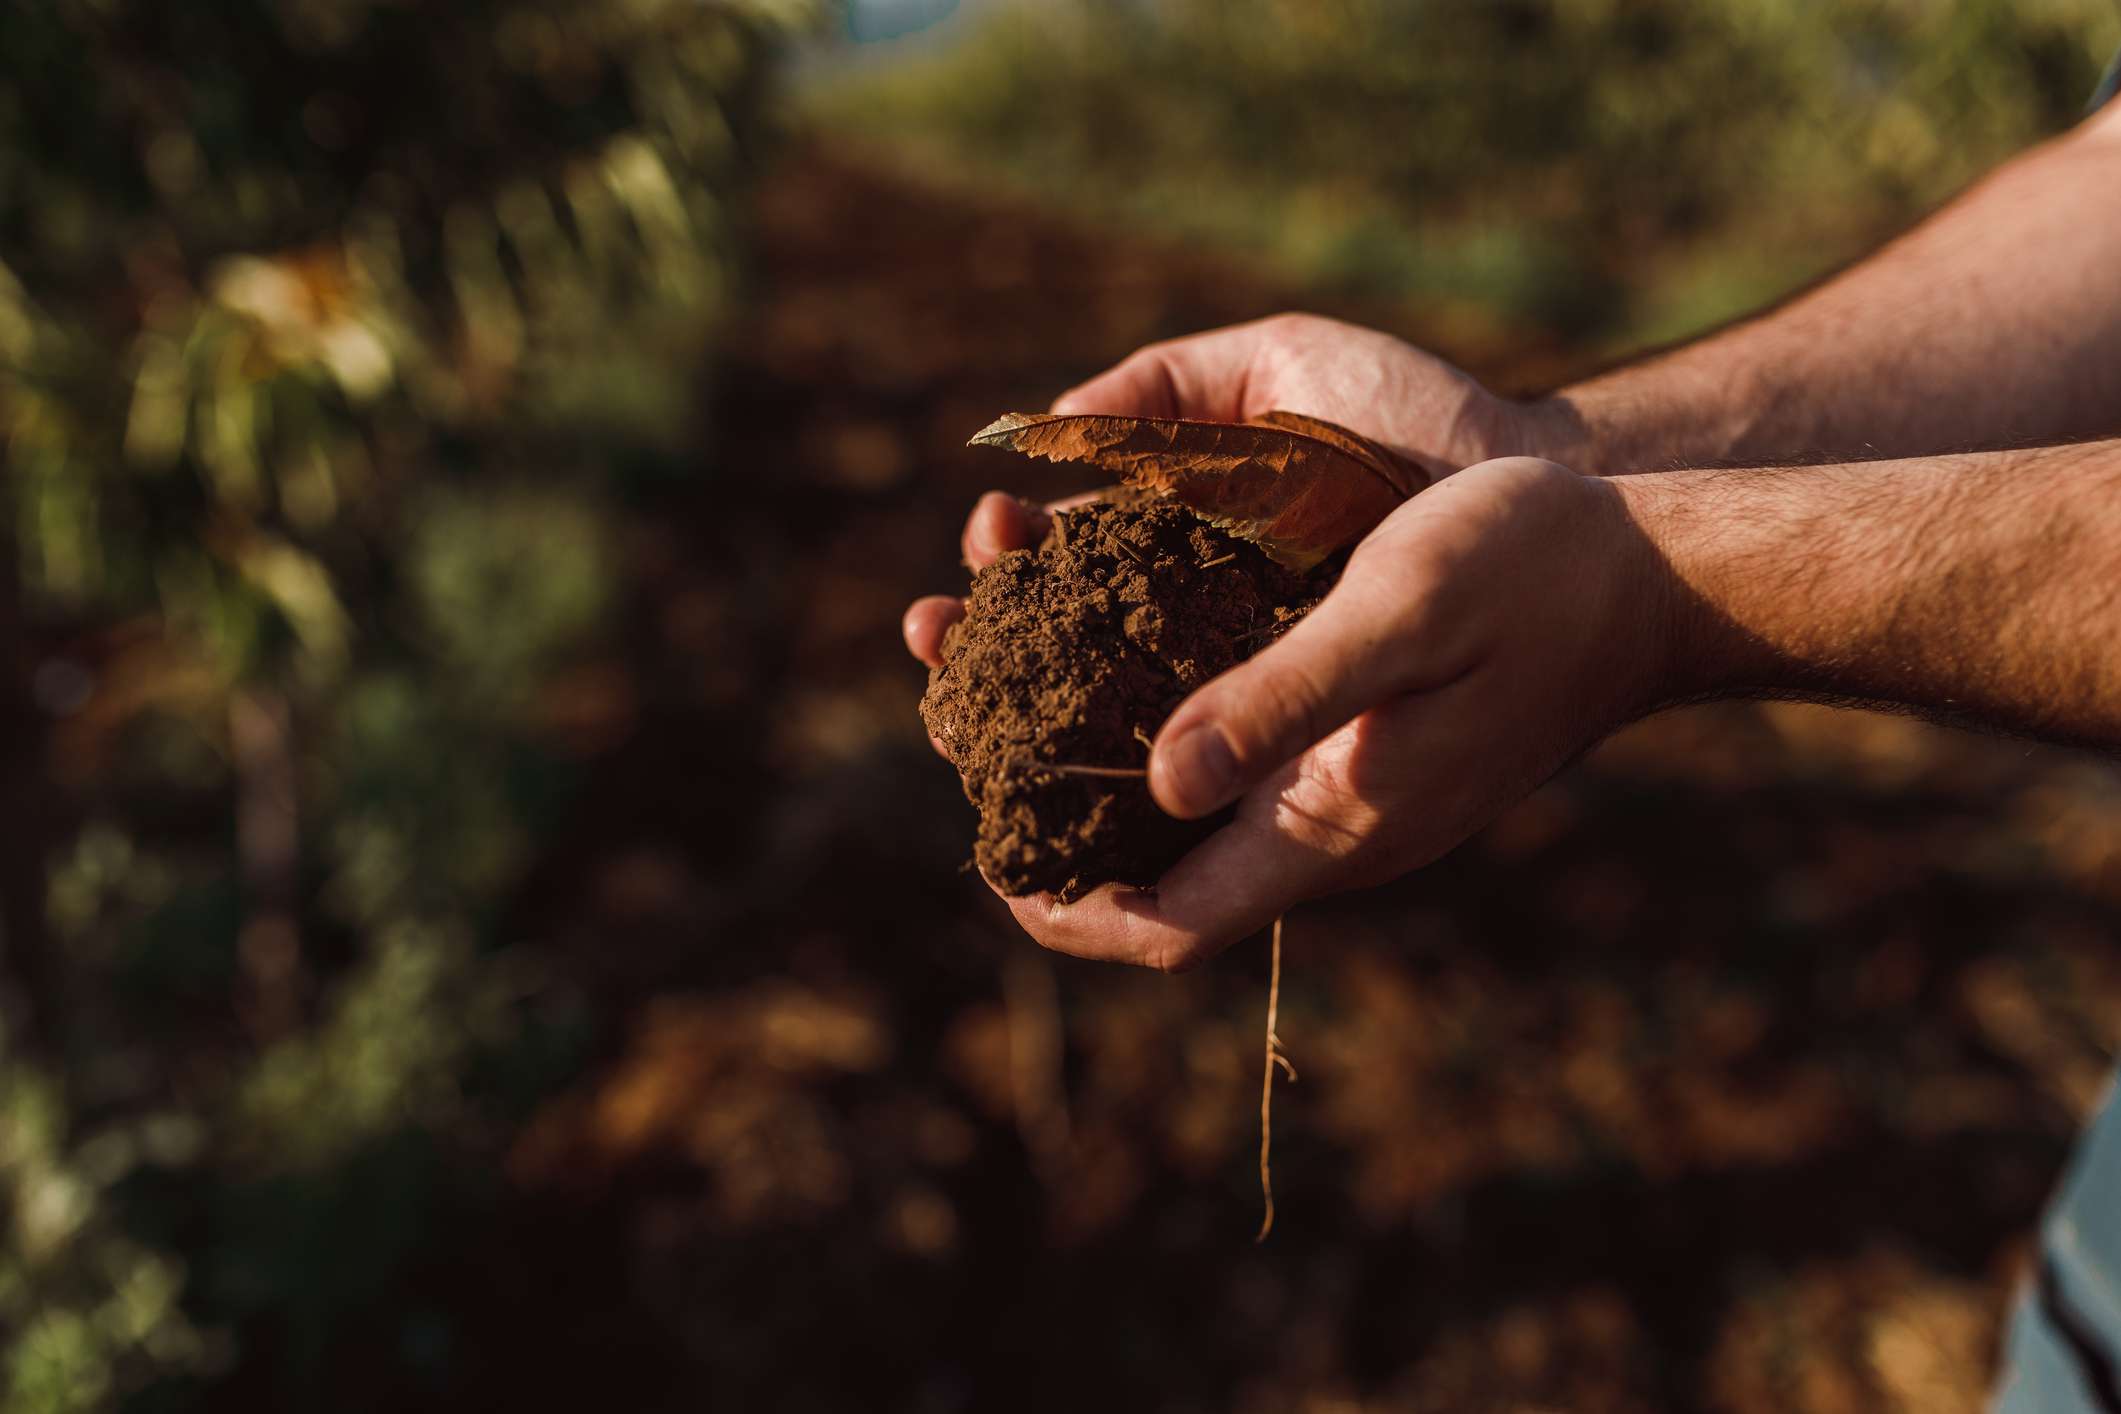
(1481, 637)
(1366, 381)
(1332, 798)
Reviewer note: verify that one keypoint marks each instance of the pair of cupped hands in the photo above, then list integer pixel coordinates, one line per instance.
(1482, 635)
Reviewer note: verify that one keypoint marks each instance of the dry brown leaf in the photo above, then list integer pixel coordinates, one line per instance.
(1297, 487)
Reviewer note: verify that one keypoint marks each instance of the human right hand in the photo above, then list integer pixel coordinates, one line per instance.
(1482, 635)
(1364, 380)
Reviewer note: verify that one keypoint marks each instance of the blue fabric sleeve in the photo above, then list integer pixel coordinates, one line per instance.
(2064, 1354)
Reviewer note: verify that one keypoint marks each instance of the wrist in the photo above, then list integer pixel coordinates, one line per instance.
(1556, 427)
(1592, 431)
(1691, 647)
(1653, 417)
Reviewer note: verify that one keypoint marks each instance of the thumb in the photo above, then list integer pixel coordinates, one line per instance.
(1202, 375)
(1138, 386)
(1342, 660)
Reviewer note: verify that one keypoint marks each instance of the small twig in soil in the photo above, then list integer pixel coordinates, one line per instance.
(1132, 553)
(1063, 768)
(1223, 560)
(1266, 1091)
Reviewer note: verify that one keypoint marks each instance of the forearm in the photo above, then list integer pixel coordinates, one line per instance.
(1983, 587)
(1996, 323)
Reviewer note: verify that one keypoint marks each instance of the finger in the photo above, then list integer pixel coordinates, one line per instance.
(1341, 815)
(1001, 522)
(1137, 386)
(925, 623)
(1203, 375)
(1349, 654)
(1108, 924)
(1236, 882)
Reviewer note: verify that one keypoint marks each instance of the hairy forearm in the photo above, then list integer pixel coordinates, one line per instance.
(1981, 588)
(1995, 323)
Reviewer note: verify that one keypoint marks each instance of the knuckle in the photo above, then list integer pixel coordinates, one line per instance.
(1331, 839)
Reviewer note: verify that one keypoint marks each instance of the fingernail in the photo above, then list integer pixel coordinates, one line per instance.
(1202, 768)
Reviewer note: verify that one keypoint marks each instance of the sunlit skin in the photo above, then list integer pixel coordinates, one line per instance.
(1499, 624)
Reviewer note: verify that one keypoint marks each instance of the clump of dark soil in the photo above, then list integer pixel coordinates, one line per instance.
(1072, 656)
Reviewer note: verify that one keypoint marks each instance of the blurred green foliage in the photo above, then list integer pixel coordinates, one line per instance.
(1613, 171)
(328, 328)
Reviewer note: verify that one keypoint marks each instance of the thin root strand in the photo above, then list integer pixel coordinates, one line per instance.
(1266, 1089)
(1070, 768)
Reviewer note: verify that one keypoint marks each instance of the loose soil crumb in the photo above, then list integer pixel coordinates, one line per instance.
(1074, 654)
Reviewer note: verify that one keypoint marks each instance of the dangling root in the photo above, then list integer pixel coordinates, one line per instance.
(1266, 1089)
